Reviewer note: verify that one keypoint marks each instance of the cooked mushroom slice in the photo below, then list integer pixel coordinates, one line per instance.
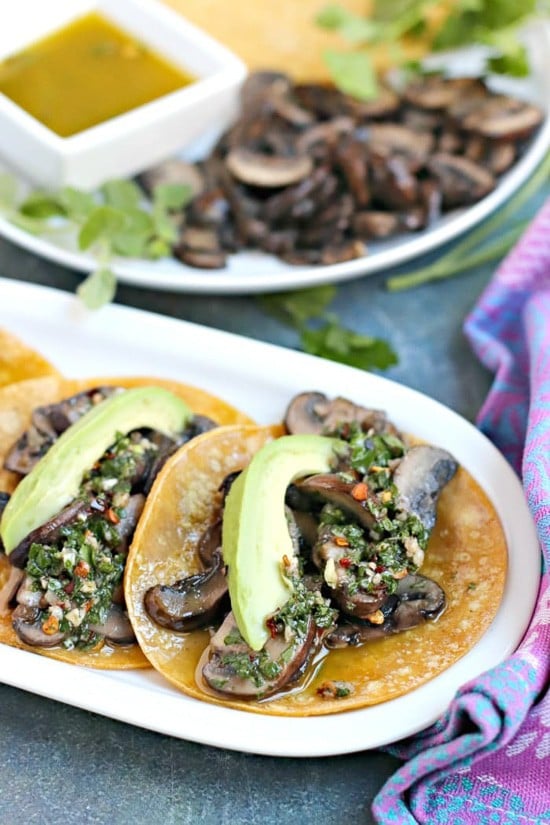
(229, 666)
(210, 208)
(27, 624)
(260, 169)
(9, 590)
(190, 603)
(116, 629)
(126, 526)
(327, 131)
(333, 489)
(394, 138)
(501, 156)
(372, 223)
(437, 92)
(50, 531)
(417, 599)
(503, 118)
(392, 181)
(173, 171)
(47, 423)
(420, 477)
(200, 258)
(313, 412)
(462, 181)
(210, 543)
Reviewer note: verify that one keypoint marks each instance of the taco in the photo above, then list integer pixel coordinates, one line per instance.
(333, 567)
(78, 461)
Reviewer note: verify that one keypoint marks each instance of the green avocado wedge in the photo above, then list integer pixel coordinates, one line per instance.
(54, 482)
(255, 536)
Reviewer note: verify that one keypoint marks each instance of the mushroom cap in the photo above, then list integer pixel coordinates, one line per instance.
(271, 171)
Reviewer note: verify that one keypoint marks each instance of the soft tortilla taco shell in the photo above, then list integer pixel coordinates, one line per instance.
(466, 555)
(17, 402)
(19, 362)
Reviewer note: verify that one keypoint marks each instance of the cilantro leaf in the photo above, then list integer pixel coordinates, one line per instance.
(42, 205)
(98, 288)
(77, 204)
(172, 196)
(353, 73)
(295, 308)
(102, 223)
(122, 194)
(339, 344)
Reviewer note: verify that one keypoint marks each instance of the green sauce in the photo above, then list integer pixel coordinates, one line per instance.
(86, 73)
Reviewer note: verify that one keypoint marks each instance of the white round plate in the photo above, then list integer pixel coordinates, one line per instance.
(250, 272)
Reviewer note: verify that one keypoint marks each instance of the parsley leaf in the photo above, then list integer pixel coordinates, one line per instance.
(98, 288)
(295, 308)
(337, 343)
(353, 73)
(332, 340)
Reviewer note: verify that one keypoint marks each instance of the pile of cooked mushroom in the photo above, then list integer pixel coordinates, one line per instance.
(311, 174)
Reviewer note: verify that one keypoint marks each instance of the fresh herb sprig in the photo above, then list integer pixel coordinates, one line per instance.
(476, 248)
(393, 24)
(117, 220)
(327, 338)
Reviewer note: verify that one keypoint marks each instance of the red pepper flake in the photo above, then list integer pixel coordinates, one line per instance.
(271, 625)
(50, 625)
(112, 516)
(360, 492)
(88, 606)
(341, 541)
(379, 568)
(82, 569)
(345, 561)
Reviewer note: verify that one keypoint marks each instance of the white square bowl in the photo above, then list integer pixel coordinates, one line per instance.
(131, 142)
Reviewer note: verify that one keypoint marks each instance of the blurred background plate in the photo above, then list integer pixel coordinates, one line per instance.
(253, 272)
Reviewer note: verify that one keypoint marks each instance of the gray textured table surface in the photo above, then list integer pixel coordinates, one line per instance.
(60, 764)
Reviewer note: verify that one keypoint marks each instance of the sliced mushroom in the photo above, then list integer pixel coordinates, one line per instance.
(313, 412)
(50, 531)
(420, 477)
(173, 171)
(189, 603)
(395, 138)
(437, 92)
(416, 600)
(271, 171)
(48, 422)
(287, 658)
(200, 258)
(373, 223)
(125, 528)
(462, 181)
(500, 157)
(503, 118)
(332, 488)
(27, 624)
(9, 590)
(116, 629)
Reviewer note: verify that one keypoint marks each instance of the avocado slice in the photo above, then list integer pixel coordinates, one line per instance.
(56, 479)
(255, 536)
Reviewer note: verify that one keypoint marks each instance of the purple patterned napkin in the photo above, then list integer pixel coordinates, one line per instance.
(488, 759)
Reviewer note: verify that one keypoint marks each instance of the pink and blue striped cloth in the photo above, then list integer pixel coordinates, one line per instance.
(488, 759)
